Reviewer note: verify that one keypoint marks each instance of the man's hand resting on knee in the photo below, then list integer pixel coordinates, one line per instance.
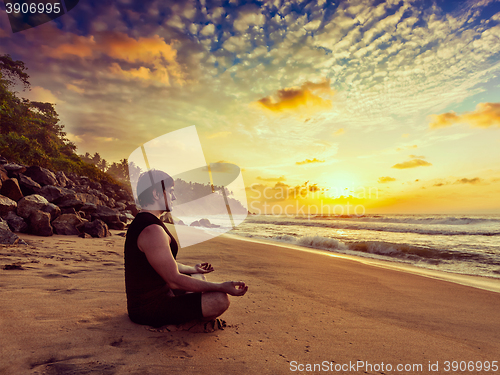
(155, 244)
(203, 268)
(234, 288)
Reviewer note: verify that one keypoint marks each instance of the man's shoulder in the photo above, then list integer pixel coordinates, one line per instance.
(154, 230)
(151, 234)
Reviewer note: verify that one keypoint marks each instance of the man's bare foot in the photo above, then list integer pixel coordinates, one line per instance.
(194, 326)
(207, 327)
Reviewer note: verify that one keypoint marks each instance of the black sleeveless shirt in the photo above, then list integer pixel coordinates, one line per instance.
(142, 282)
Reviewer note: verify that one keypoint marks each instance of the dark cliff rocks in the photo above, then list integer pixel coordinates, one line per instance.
(42, 202)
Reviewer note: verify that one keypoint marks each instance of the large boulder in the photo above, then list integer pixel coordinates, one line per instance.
(7, 237)
(111, 202)
(6, 205)
(31, 203)
(118, 225)
(66, 224)
(16, 223)
(96, 228)
(53, 193)
(106, 214)
(3, 174)
(11, 189)
(103, 197)
(53, 210)
(28, 186)
(62, 180)
(89, 208)
(41, 175)
(88, 198)
(13, 169)
(39, 223)
(70, 201)
(76, 200)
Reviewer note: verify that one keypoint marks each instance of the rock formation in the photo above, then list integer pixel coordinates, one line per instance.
(42, 202)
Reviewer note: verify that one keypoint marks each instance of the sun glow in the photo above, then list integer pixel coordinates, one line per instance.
(341, 184)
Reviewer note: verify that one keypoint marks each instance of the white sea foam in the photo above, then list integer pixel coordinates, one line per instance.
(319, 242)
(455, 244)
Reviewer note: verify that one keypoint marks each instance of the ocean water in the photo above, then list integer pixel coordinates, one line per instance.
(459, 244)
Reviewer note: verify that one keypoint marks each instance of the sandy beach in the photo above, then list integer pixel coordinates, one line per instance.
(63, 311)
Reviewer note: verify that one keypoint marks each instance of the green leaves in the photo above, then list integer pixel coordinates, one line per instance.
(30, 132)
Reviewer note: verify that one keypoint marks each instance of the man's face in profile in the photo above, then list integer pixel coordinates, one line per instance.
(169, 196)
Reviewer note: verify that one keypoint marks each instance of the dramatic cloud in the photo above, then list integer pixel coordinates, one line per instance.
(40, 94)
(365, 73)
(247, 18)
(443, 120)
(156, 59)
(486, 115)
(383, 180)
(412, 164)
(305, 97)
(309, 161)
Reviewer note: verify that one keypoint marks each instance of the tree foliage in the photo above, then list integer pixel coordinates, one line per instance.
(119, 171)
(30, 131)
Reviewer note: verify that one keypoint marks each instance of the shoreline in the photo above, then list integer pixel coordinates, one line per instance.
(476, 281)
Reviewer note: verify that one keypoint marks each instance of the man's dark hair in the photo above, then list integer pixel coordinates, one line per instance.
(148, 182)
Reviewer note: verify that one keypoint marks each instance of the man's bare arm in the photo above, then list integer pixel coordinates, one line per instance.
(155, 243)
(199, 268)
(185, 269)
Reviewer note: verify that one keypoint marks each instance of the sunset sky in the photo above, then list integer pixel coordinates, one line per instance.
(393, 104)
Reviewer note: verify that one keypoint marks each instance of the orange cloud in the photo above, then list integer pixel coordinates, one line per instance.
(412, 164)
(308, 161)
(383, 180)
(294, 99)
(79, 46)
(417, 157)
(443, 120)
(159, 57)
(486, 115)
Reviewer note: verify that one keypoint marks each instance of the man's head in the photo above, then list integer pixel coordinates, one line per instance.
(152, 186)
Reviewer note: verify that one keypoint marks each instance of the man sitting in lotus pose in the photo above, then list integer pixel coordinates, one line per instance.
(160, 290)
